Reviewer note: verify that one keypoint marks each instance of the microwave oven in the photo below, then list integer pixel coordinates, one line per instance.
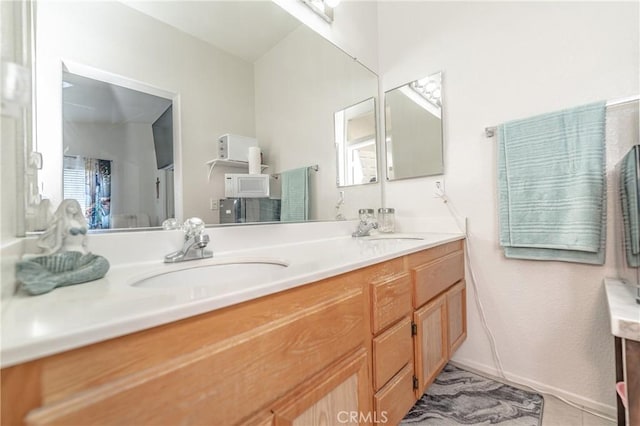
(243, 185)
(235, 147)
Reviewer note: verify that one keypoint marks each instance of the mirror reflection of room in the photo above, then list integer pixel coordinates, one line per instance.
(413, 123)
(355, 129)
(257, 86)
(118, 153)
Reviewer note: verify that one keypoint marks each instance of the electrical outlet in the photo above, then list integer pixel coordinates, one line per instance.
(438, 189)
(213, 204)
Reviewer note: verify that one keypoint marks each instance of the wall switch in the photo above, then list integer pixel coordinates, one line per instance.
(213, 204)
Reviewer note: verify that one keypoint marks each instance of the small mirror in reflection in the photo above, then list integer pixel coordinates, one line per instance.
(413, 122)
(355, 139)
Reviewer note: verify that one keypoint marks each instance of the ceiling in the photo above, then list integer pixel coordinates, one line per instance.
(86, 100)
(244, 28)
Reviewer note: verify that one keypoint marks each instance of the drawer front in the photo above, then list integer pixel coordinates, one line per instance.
(262, 363)
(395, 400)
(425, 256)
(390, 301)
(431, 279)
(457, 312)
(392, 350)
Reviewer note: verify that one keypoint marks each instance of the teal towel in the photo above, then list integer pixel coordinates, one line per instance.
(551, 184)
(295, 195)
(629, 196)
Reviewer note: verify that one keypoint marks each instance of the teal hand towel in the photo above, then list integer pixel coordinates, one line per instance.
(295, 195)
(629, 197)
(551, 185)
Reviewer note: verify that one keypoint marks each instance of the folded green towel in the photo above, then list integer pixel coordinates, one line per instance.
(629, 196)
(551, 184)
(295, 195)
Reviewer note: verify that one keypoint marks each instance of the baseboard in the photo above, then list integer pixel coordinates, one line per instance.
(606, 410)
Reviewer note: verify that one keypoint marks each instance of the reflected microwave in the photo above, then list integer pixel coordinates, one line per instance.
(243, 185)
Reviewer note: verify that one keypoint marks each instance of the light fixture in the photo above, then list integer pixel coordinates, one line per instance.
(323, 8)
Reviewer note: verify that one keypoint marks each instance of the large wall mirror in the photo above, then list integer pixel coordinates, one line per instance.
(119, 82)
(413, 123)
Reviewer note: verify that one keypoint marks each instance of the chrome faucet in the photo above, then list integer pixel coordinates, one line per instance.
(366, 224)
(195, 241)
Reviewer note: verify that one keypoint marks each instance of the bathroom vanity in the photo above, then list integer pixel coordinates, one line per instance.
(355, 347)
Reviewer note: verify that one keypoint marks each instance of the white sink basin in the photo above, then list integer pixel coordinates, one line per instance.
(215, 272)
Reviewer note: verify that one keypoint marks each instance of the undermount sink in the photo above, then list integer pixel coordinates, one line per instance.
(222, 272)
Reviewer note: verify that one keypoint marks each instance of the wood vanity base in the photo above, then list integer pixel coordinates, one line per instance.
(362, 345)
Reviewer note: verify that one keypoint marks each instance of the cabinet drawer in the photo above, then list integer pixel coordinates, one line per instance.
(395, 400)
(392, 350)
(390, 301)
(433, 278)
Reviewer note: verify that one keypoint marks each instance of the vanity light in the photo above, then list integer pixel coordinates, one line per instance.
(430, 89)
(323, 8)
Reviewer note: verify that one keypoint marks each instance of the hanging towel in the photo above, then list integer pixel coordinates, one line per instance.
(551, 184)
(629, 196)
(295, 195)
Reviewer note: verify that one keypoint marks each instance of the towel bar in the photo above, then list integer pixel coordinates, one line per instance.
(490, 132)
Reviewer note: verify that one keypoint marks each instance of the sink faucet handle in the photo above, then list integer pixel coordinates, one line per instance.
(192, 227)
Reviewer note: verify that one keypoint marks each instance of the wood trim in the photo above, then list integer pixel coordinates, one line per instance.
(390, 301)
(20, 392)
(433, 278)
(396, 398)
(429, 255)
(292, 349)
(425, 378)
(621, 414)
(298, 401)
(457, 298)
(93, 365)
(391, 351)
(632, 365)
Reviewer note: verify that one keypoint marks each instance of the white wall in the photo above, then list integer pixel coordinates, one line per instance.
(503, 61)
(215, 89)
(306, 79)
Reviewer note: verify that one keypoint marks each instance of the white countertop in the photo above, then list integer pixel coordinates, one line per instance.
(78, 315)
(623, 309)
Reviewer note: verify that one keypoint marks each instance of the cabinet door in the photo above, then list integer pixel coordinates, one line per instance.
(457, 311)
(431, 348)
(339, 395)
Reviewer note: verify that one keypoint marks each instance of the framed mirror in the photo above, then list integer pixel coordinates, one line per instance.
(278, 82)
(413, 123)
(355, 139)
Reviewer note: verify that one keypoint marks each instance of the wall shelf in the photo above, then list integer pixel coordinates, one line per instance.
(230, 163)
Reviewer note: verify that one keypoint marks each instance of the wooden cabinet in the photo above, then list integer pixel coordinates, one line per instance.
(457, 315)
(219, 368)
(396, 398)
(431, 350)
(336, 396)
(418, 320)
(355, 346)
